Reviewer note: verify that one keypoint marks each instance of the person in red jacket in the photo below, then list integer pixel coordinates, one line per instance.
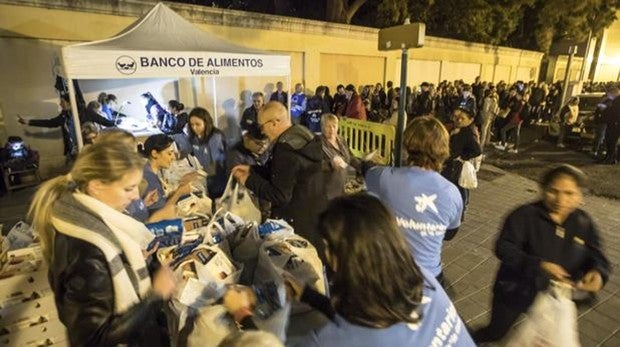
(355, 106)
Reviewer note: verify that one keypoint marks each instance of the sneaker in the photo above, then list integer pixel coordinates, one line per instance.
(561, 145)
(500, 147)
(515, 151)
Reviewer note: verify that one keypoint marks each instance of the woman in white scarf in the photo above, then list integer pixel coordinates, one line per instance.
(101, 284)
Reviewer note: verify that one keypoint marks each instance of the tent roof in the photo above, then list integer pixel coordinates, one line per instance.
(162, 29)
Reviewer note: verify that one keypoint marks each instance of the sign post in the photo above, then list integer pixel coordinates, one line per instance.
(402, 37)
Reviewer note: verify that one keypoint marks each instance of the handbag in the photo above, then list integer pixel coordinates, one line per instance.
(237, 200)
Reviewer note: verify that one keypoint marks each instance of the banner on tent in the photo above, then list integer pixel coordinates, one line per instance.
(95, 64)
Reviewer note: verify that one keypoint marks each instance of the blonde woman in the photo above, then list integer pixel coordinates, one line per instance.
(338, 154)
(102, 288)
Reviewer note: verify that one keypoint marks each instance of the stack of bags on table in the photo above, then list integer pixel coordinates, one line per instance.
(28, 315)
(207, 255)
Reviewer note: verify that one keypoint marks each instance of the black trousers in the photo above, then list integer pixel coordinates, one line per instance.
(611, 142)
(502, 319)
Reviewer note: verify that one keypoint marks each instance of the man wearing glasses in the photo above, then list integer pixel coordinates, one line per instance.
(294, 179)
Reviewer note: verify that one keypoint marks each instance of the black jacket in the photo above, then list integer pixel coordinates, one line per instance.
(530, 236)
(423, 104)
(295, 182)
(82, 284)
(280, 97)
(611, 115)
(65, 121)
(94, 117)
(463, 145)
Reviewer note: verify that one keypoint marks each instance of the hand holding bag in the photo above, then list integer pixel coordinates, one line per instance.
(551, 321)
(468, 178)
(237, 200)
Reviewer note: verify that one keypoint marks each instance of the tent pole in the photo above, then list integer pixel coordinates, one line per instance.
(214, 101)
(288, 102)
(75, 115)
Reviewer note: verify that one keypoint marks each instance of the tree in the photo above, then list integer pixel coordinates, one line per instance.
(571, 19)
(342, 11)
(529, 24)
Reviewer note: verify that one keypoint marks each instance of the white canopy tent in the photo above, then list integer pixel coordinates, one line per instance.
(162, 44)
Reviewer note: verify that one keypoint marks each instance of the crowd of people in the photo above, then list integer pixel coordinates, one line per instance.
(382, 249)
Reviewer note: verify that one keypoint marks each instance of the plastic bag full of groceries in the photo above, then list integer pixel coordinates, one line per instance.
(224, 249)
(551, 320)
(21, 235)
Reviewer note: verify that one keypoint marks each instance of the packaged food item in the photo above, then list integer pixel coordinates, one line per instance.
(275, 228)
(167, 233)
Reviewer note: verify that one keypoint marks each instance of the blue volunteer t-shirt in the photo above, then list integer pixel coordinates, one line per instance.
(440, 326)
(425, 205)
(137, 209)
(153, 183)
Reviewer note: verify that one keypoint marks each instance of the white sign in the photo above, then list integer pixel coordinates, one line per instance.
(95, 64)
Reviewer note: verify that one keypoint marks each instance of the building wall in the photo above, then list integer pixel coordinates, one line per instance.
(33, 31)
(608, 68)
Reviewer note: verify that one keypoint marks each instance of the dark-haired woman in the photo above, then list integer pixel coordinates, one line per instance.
(159, 151)
(180, 118)
(548, 239)
(464, 145)
(208, 145)
(380, 296)
(428, 207)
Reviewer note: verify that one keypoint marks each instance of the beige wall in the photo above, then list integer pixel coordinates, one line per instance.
(321, 53)
(608, 68)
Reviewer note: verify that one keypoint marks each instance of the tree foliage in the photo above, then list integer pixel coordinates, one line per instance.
(530, 24)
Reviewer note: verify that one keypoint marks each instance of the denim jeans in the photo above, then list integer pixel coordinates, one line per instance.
(507, 128)
(599, 140)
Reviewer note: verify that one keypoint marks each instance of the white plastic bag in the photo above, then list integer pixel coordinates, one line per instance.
(179, 168)
(195, 205)
(21, 235)
(203, 275)
(468, 178)
(237, 200)
(550, 322)
(211, 326)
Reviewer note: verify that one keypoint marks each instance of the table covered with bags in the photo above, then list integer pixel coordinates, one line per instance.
(210, 251)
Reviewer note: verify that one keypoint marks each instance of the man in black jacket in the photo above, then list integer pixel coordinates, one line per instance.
(611, 116)
(279, 95)
(423, 104)
(65, 121)
(294, 181)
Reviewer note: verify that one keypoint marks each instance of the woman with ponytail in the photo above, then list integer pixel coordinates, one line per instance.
(102, 288)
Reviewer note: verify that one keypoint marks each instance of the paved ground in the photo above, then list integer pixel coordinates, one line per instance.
(470, 265)
(535, 157)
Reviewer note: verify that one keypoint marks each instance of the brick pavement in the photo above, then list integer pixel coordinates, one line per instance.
(470, 265)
